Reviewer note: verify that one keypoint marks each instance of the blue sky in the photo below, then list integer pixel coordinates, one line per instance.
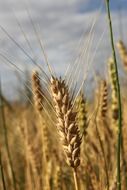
(61, 25)
(91, 5)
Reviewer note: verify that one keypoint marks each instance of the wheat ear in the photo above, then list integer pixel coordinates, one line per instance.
(66, 123)
(82, 113)
(37, 91)
(114, 94)
(104, 99)
(123, 53)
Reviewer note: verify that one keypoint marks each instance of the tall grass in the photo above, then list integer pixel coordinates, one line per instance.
(119, 97)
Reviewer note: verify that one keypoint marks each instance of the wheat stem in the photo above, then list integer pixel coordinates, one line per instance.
(119, 96)
(2, 172)
(75, 179)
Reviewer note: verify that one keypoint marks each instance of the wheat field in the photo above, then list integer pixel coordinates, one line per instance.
(58, 137)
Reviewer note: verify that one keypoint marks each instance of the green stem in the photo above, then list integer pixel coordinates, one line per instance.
(119, 97)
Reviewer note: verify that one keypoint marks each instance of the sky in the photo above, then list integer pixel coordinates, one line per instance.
(64, 28)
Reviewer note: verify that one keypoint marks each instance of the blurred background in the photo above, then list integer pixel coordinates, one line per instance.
(64, 29)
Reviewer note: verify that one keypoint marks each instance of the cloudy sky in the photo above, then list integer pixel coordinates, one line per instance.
(66, 29)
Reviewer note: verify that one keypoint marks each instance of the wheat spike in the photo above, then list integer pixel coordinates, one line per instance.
(123, 52)
(104, 99)
(66, 122)
(103, 109)
(37, 91)
(82, 113)
(46, 142)
(114, 90)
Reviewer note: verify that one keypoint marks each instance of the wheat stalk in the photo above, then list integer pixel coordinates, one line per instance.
(119, 95)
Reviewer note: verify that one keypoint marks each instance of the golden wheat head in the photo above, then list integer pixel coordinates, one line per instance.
(123, 53)
(114, 90)
(37, 91)
(66, 122)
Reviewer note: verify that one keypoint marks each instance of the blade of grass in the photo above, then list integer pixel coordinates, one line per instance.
(119, 95)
